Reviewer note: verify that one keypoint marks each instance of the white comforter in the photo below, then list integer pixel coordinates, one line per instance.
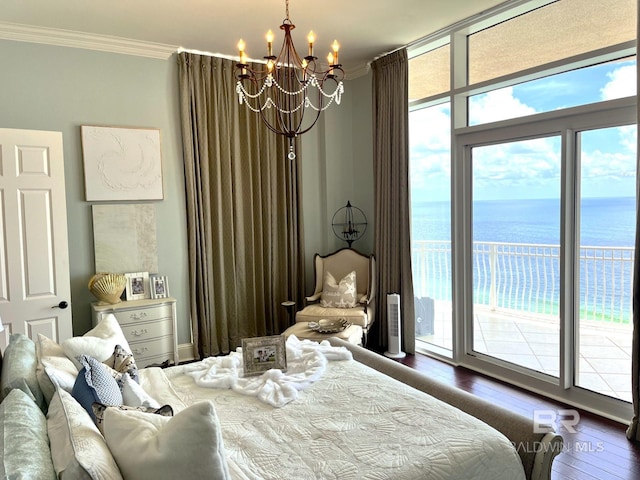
(352, 424)
(306, 363)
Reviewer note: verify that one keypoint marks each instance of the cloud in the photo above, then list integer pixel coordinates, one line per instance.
(622, 83)
(524, 168)
(497, 105)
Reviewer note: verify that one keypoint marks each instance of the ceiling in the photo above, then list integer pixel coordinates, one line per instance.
(365, 29)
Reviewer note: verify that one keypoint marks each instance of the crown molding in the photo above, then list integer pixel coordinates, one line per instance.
(68, 38)
(358, 71)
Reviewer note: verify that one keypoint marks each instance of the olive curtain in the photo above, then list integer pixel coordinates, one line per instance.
(244, 212)
(633, 432)
(392, 239)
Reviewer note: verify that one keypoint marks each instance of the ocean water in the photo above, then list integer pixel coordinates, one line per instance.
(605, 286)
(603, 222)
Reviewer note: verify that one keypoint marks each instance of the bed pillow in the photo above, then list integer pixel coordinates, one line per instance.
(187, 445)
(24, 442)
(78, 450)
(19, 370)
(53, 368)
(95, 383)
(339, 295)
(100, 408)
(122, 361)
(99, 342)
(133, 395)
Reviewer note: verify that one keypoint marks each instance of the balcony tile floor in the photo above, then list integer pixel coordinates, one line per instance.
(533, 342)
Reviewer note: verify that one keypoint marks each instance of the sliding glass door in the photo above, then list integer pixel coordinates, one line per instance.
(516, 252)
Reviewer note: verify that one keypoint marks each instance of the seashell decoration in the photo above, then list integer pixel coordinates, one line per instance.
(107, 287)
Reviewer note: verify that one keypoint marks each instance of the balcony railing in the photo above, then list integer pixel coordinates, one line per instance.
(526, 277)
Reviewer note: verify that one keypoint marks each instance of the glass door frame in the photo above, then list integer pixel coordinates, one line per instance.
(564, 123)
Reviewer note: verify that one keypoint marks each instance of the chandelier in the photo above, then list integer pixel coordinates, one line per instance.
(297, 90)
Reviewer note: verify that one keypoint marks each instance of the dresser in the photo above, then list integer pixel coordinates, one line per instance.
(148, 325)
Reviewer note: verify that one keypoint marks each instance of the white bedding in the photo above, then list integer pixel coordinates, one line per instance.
(353, 423)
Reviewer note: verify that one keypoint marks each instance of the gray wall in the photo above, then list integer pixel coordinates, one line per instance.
(337, 165)
(56, 88)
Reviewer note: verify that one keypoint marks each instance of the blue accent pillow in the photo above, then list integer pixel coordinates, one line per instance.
(95, 384)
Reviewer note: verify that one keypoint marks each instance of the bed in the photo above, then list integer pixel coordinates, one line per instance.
(355, 415)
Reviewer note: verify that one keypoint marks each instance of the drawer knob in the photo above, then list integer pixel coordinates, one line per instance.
(138, 316)
(138, 351)
(138, 333)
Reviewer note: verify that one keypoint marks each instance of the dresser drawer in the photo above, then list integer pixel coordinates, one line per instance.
(152, 348)
(143, 331)
(128, 317)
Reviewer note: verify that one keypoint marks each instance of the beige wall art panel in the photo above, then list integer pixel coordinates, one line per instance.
(124, 238)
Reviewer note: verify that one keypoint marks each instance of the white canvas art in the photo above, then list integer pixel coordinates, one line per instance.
(122, 163)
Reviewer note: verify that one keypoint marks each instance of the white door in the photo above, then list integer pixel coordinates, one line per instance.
(34, 256)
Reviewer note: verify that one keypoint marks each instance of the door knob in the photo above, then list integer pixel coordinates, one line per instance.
(62, 305)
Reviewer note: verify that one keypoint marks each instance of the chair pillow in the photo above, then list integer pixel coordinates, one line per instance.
(187, 445)
(19, 370)
(339, 295)
(24, 442)
(95, 383)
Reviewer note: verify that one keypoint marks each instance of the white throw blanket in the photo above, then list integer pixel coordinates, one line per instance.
(306, 362)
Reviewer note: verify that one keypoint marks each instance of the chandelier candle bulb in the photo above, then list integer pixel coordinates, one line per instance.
(336, 47)
(330, 60)
(311, 37)
(241, 46)
(270, 43)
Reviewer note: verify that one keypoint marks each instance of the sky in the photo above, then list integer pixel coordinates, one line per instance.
(530, 169)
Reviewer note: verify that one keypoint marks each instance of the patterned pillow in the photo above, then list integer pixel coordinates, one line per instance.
(339, 295)
(95, 383)
(100, 408)
(122, 361)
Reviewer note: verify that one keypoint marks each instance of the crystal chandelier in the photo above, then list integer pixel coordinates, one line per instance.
(297, 88)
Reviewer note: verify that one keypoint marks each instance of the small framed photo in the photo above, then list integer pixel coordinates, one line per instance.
(260, 354)
(137, 286)
(159, 286)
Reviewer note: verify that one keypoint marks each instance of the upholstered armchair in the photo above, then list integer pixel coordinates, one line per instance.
(334, 295)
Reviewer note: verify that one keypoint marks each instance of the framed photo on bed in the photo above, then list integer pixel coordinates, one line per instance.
(260, 354)
(137, 287)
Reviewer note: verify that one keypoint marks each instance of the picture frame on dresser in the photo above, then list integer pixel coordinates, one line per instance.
(159, 286)
(137, 287)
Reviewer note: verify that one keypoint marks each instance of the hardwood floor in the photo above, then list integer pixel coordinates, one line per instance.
(598, 450)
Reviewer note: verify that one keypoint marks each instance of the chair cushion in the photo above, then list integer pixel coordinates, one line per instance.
(352, 334)
(339, 295)
(315, 312)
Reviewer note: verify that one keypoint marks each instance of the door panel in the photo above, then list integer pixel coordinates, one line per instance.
(34, 257)
(516, 252)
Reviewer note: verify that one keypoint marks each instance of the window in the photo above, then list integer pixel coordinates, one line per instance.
(539, 150)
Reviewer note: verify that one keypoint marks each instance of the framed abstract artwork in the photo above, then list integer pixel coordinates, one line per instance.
(121, 163)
